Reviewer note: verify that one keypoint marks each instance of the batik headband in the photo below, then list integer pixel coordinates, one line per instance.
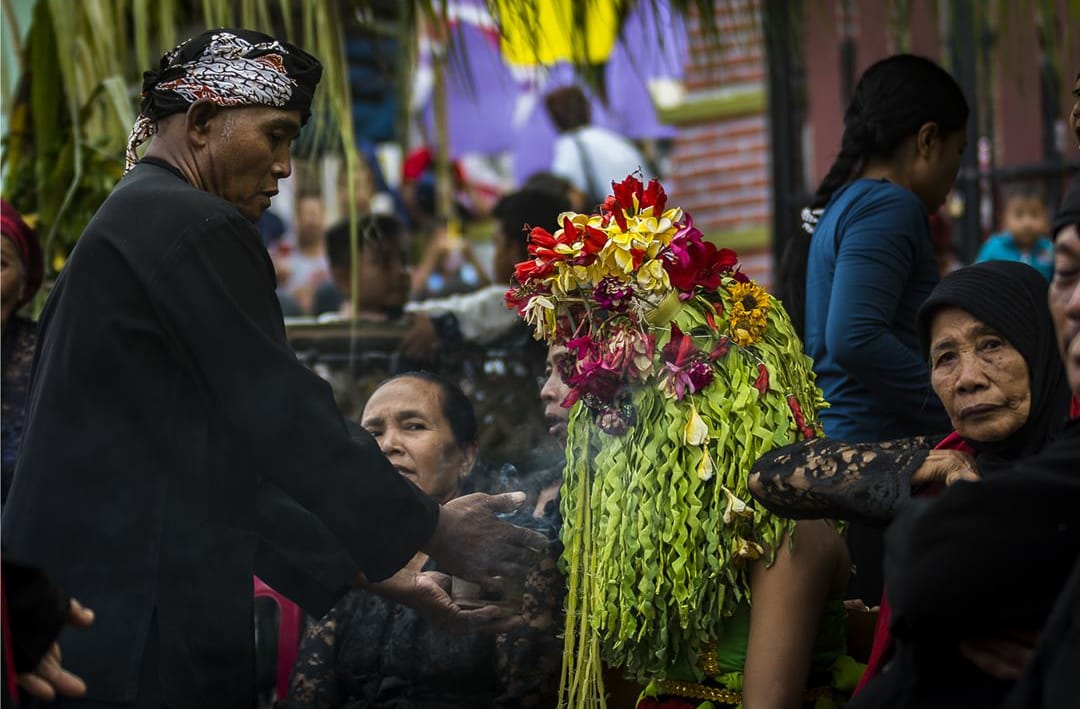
(230, 68)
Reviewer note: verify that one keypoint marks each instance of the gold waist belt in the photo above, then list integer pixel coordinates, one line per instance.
(693, 690)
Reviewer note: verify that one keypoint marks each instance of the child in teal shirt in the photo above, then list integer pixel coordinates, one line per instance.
(1024, 239)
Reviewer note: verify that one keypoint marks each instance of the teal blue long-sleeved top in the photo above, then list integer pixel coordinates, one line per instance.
(871, 266)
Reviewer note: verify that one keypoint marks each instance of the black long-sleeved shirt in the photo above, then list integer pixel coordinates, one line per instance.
(174, 446)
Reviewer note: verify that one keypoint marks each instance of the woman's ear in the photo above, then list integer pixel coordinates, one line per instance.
(469, 453)
(926, 140)
(197, 120)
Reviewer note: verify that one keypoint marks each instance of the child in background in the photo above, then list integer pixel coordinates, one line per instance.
(1024, 239)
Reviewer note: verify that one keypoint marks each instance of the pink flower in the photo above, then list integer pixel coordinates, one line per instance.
(613, 421)
(691, 261)
(685, 370)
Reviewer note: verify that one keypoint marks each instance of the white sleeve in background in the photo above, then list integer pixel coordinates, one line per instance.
(482, 315)
(567, 162)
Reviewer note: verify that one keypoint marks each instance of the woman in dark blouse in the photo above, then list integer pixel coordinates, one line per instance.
(20, 277)
(369, 651)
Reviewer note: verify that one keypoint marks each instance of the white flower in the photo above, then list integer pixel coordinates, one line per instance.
(540, 313)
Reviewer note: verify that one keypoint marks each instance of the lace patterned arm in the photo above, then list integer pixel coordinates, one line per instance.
(314, 678)
(528, 659)
(825, 478)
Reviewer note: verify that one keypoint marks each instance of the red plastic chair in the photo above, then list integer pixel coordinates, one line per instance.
(289, 620)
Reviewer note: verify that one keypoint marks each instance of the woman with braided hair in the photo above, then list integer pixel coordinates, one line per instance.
(856, 277)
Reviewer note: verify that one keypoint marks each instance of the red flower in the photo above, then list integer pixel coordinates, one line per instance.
(597, 379)
(594, 240)
(533, 268)
(625, 192)
(680, 349)
(515, 299)
(612, 210)
(691, 261)
(654, 197)
(542, 244)
(720, 348)
(762, 381)
(800, 420)
(539, 237)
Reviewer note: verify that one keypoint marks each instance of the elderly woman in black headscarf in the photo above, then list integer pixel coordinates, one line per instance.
(973, 574)
(871, 482)
(20, 278)
(987, 332)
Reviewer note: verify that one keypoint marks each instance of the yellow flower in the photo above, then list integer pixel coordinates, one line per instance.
(747, 314)
(653, 278)
(750, 296)
(742, 337)
(597, 271)
(618, 257)
(622, 239)
(562, 282)
(748, 550)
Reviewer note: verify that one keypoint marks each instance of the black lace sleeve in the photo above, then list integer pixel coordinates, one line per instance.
(314, 678)
(528, 659)
(825, 478)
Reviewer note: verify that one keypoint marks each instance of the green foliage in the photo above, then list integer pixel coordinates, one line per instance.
(69, 122)
(656, 552)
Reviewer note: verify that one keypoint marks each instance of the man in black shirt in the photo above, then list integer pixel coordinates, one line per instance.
(175, 446)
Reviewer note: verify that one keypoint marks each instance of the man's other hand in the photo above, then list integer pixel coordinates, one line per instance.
(49, 678)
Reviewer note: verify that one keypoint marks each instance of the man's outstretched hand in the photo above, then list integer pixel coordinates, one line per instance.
(471, 542)
(428, 592)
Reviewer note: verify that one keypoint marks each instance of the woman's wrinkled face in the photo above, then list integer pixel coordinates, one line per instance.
(12, 278)
(982, 380)
(405, 416)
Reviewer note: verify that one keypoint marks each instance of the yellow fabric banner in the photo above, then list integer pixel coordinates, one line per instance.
(551, 31)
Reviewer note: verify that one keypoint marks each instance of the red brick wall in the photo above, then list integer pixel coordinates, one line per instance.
(720, 167)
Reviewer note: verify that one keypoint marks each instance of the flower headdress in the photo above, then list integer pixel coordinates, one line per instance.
(684, 371)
